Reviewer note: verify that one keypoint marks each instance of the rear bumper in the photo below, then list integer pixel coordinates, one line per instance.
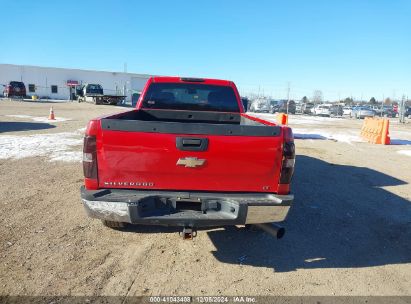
(194, 209)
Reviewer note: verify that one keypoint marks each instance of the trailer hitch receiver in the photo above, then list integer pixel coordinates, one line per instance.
(188, 233)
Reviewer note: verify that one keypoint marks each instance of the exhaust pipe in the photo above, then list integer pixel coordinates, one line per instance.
(273, 229)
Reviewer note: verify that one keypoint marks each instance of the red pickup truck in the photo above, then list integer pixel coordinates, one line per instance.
(187, 156)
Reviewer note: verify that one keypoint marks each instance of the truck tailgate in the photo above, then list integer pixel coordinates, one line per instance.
(147, 160)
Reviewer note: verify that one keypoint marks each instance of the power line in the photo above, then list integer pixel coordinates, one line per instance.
(288, 95)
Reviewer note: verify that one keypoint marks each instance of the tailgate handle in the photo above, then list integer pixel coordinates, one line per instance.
(191, 143)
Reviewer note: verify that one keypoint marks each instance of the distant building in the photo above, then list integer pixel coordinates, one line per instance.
(59, 83)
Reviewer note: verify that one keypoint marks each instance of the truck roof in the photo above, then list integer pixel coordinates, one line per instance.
(174, 79)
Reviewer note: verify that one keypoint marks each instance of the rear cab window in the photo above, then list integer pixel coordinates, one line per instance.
(191, 96)
(17, 84)
(94, 89)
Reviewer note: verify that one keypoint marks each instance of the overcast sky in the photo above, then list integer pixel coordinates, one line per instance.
(342, 47)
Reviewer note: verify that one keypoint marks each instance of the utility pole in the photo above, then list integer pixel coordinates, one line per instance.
(382, 104)
(125, 67)
(402, 109)
(288, 95)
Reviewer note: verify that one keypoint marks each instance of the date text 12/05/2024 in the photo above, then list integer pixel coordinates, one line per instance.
(202, 299)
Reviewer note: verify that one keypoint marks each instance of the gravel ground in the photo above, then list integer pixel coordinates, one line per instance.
(348, 233)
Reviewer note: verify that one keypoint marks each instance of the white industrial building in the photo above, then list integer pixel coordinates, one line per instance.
(59, 83)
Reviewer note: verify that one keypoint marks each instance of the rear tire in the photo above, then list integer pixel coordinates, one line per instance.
(114, 225)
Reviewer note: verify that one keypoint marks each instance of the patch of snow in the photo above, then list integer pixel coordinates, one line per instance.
(40, 119)
(312, 120)
(46, 100)
(347, 136)
(19, 116)
(405, 152)
(55, 146)
(46, 119)
(314, 260)
(299, 119)
(400, 133)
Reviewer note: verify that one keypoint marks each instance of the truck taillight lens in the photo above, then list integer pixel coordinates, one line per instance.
(90, 157)
(287, 168)
(288, 162)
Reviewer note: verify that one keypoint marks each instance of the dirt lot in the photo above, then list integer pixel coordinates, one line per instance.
(348, 233)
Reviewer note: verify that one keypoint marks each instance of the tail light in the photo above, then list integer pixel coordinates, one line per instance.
(90, 162)
(288, 162)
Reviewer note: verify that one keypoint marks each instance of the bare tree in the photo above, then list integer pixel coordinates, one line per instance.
(348, 101)
(317, 96)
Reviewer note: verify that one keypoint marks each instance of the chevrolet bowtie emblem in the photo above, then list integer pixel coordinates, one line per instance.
(190, 162)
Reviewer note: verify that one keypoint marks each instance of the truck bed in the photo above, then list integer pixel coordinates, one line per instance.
(190, 122)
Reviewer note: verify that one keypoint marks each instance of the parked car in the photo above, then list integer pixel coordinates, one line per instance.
(280, 106)
(387, 111)
(395, 108)
(322, 110)
(307, 108)
(299, 107)
(408, 113)
(336, 110)
(347, 110)
(15, 89)
(260, 106)
(362, 112)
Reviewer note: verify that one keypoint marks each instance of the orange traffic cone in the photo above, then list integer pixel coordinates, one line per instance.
(282, 119)
(51, 116)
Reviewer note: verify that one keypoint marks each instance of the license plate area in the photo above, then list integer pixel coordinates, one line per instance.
(188, 206)
(162, 206)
